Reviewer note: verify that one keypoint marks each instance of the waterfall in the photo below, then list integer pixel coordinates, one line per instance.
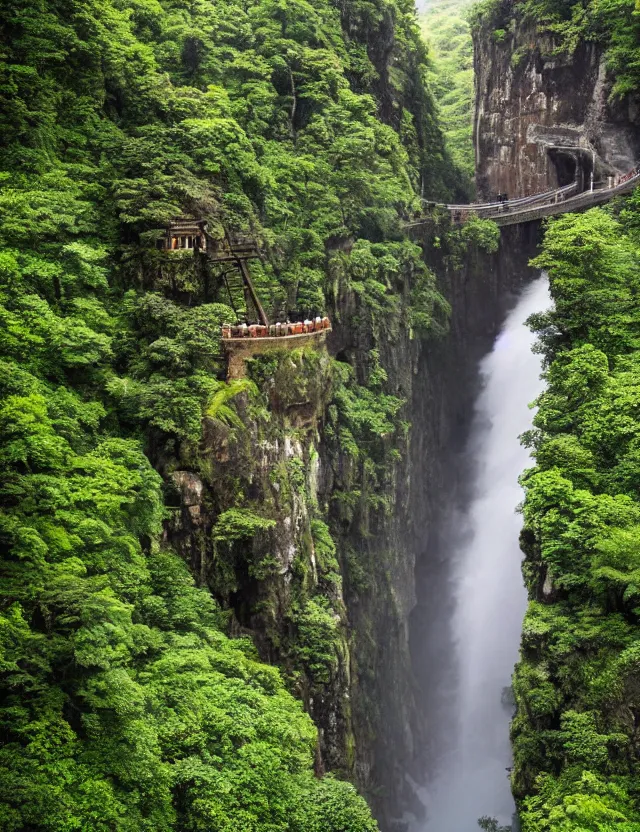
(471, 776)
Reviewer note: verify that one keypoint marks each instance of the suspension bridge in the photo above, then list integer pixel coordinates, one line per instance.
(535, 207)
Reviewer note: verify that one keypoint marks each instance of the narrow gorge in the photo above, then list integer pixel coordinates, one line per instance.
(487, 598)
(266, 363)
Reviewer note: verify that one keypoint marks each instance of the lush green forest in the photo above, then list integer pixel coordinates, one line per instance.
(125, 702)
(577, 761)
(124, 705)
(447, 31)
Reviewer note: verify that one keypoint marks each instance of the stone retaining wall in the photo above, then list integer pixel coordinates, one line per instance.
(239, 349)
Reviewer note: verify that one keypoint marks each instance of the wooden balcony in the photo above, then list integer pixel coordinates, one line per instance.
(239, 348)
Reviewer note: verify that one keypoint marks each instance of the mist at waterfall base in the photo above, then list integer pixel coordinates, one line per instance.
(470, 777)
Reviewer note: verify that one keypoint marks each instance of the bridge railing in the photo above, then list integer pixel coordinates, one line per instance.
(557, 193)
(526, 208)
(576, 203)
(633, 174)
(503, 205)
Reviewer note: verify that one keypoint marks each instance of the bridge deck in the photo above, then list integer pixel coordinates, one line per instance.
(575, 203)
(527, 209)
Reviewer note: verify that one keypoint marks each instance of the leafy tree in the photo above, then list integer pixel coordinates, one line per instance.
(575, 761)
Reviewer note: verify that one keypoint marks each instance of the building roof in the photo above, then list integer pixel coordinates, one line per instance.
(186, 225)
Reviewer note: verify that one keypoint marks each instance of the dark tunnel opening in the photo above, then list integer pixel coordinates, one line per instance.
(567, 167)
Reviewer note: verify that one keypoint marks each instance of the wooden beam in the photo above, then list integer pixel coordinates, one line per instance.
(234, 257)
(252, 292)
(246, 277)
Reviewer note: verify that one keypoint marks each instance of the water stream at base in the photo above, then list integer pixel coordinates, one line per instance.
(471, 778)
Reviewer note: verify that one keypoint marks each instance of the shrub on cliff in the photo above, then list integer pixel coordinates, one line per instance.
(484, 234)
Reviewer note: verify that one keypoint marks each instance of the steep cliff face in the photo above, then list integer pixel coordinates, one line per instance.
(247, 519)
(369, 514)
(296, 517)
(544, 118)
(332, 561)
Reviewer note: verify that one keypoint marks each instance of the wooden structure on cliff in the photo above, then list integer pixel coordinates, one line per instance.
(190, 235)
(239, 250)
(184, 235)
(242, 341)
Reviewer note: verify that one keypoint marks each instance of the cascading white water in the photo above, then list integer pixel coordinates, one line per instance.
(471, 779)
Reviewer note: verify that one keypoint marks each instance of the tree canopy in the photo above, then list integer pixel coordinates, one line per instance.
(576, 686)
(124, 704)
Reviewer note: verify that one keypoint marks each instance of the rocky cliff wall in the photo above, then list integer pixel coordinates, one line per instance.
(330, 561)
(302, 537)
(543, 118)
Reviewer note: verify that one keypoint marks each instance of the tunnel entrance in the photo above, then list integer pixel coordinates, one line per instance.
(573, 164)
(566, 166)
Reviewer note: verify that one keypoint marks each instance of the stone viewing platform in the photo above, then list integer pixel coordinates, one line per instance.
(240, 341)
(243, 342)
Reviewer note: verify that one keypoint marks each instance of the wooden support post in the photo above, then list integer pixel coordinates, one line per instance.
(246, 279)
(252, 292)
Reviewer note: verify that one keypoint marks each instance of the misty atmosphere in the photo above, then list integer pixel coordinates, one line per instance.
(320, 416)
(469, 774)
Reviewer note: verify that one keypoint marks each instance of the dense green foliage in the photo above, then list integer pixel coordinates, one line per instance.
(124, 706)
(481, 233)
(577, 763)
(446, 29)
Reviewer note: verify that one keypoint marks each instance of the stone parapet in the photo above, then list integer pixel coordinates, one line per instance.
(238, 350)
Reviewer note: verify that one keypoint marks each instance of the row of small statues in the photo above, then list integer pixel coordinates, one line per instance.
(274, 330)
